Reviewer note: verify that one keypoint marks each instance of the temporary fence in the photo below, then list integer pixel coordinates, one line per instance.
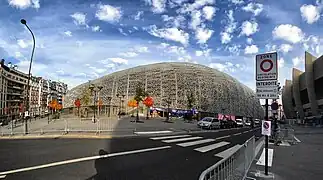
(287, 135)
(234, 167)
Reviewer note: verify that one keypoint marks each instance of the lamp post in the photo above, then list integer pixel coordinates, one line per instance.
(109, 100)
(24, 22)
(94, 91)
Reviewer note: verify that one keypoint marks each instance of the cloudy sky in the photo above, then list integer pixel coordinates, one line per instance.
(79, 40)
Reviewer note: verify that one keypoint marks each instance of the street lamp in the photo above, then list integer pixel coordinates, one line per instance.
(24, 22)
(94, 90)
(109, 100)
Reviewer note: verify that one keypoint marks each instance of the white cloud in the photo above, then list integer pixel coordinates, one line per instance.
(96, 28)
(163, 45)
(208, 12)
(289, 33)
(236, 1)
(205, 53)
(24, 4)
(119, 60)
(173, 34)
(108, 13)
(249, 28)
(22, 43)
(158, 6)
(254, 8)
(281, 62)
(249, 40)
(176, 50)
(235, 49)
(141, 49)
(252, 49)
(185, 58)
(178, 21)
(68, 33)
(296, 61)
(36, 68)
(226, 67)
(128, 54)
(285, 48)
(310, 13)
(195, 19)
(229, 28)
(190, 7)
(79, 18)
(138, 15)
(203, 35)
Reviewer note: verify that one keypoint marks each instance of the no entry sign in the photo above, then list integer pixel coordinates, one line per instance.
(266, 128)
(266, 67)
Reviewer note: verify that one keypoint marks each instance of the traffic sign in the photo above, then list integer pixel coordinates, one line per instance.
(266, 66)
(266, 84)
(267, 93)
(266, 128)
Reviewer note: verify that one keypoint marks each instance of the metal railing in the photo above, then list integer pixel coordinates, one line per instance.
(233, 167)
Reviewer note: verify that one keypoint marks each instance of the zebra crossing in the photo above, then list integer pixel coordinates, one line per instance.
(199, 144)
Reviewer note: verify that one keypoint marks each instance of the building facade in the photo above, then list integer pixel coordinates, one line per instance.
(302, 96)
(171, 83)
(13, 85)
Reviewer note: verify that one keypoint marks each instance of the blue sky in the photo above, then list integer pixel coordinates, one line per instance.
(78, 40)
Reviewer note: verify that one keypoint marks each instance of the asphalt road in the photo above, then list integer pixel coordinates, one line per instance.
(169, 161)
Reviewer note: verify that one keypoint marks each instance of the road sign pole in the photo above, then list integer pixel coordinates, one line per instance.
(266, 142)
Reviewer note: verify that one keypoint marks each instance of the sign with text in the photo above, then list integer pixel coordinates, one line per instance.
(266, 67)
(266, 128)
(267, 93)
(266, 84)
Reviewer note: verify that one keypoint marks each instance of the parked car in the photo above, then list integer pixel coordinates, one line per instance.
(209, 123)
(230, 123)
(239, 122)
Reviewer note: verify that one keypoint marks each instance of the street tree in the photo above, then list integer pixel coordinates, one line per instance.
(85, 99)
(139, 97)
(132, 103)
(190, 104)
(77, 103)
(148, 102)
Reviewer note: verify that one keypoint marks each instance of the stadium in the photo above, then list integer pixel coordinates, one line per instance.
(169, 84)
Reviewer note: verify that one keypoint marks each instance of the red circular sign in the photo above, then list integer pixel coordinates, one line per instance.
(270, 66)
(266, 125)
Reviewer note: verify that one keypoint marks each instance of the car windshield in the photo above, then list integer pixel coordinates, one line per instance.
(207, 119)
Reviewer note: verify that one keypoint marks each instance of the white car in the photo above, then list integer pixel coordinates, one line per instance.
(239, 122)
(209, 123)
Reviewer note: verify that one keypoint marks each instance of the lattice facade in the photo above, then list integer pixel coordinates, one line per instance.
(212, 89)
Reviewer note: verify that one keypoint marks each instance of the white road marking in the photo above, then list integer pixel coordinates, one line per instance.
(153, 132)
(228, 152)
(82, 159)
(236, 134)
(223, 137)
(169, 137)
(195, 142)
(284, 143)
(3, 176)
(182, 139)
(211, 147)
(297, 139)
(261, 160)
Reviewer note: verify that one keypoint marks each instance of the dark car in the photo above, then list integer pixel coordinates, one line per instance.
(228, 123)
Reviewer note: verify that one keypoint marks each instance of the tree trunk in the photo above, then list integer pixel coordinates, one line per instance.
(147, 112)
(137, 118)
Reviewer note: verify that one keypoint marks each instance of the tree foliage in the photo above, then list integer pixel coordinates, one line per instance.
(190, 100)
(148, 101)
(132, 103)
(86, 97)
(140, 94)
(77, 103)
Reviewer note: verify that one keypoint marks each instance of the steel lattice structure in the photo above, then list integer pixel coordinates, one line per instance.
(212, 89)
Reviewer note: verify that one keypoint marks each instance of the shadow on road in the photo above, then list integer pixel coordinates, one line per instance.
(102, 166)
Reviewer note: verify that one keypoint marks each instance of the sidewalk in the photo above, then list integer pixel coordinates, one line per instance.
(105, 125)
(303, 161)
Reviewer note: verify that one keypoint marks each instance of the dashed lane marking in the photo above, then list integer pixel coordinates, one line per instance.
(195, 142)
(81, 160)
(211, 147)
(228, 152)
(169, 137)
(182, 139)
(2, 177)
(153, 132)
(223, 137)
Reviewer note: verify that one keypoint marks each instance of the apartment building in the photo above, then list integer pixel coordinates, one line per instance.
(13, 85)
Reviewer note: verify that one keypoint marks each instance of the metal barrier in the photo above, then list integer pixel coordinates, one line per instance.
(233, 167)
(286, 134)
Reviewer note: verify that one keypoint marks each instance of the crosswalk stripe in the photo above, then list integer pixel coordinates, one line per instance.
(169, 137)
(182, 139)
(211, 147)
(195, 142)
(228, 152)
